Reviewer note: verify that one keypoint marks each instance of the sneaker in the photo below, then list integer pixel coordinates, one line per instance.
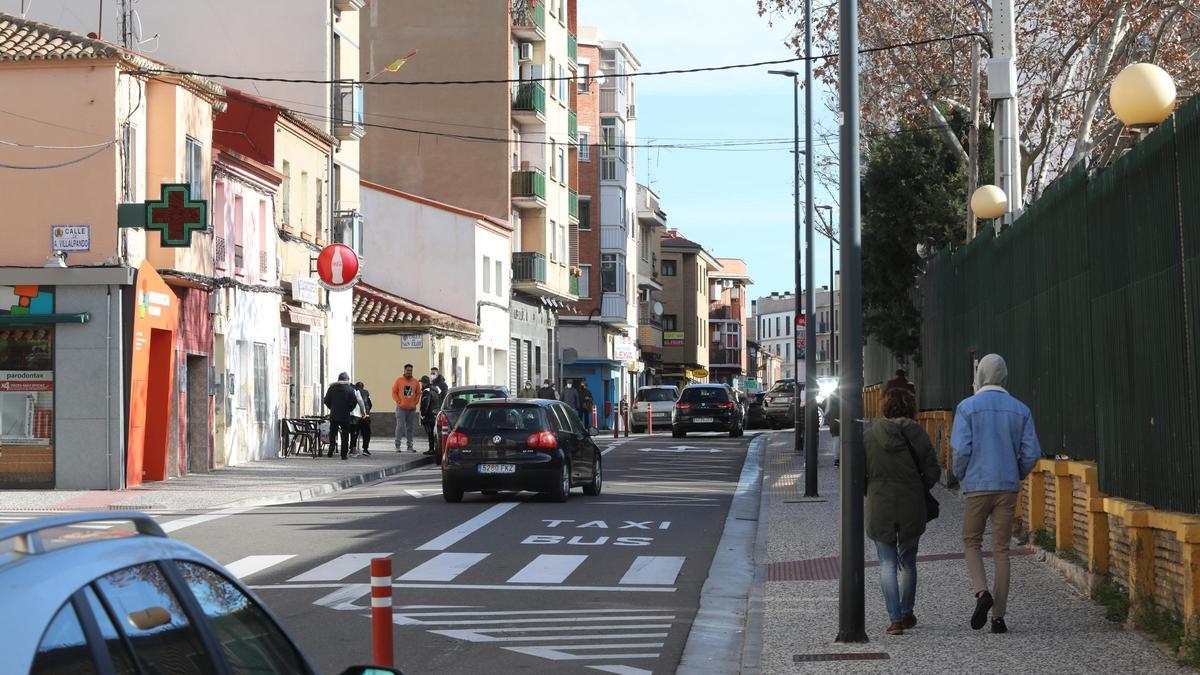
(366, 453)
(998, 626)
(982, 604)
(909, 621)
(836, 463)
(895, 628)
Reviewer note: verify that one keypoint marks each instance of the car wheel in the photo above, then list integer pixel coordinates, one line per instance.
(593, 487)
(638, 430)
(563, 490)
(677, 433)
(451, 492)
(733, 431)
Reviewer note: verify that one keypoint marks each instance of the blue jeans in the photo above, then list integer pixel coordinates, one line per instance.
(898, 577)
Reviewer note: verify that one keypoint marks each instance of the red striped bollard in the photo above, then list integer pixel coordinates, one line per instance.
(650, 418)
(381, 613)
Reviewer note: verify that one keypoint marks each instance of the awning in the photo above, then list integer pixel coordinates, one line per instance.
(300, 316)
(27, 319)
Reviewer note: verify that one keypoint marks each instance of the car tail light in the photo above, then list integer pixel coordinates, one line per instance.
(456, 439)
(545, 440)
(729, 404)
(443, 422)
(683, 405)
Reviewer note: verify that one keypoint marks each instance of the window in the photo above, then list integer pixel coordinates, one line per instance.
(704, 395)
(117, 653)
(670, 322)
(562, 243)
(303, 201)
(668, 268)
(27, 411)
(130, 152)
(64, 647)
(787, 325)
(485, 272)
(563, 82)
(245, 372)
(499, 280)
(262, 413)
(777, 327)
(195, 167)
(585, 147)
(248, 637)
(585, 281)
(553, 241)
(287, 193)
(554, 160)
(156, 625)
(553, 85)
(609, 273)
(562, 164)
(319, 220)
(585, 213)
(581, 83)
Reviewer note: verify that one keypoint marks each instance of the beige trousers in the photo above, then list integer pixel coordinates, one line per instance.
(999, 507)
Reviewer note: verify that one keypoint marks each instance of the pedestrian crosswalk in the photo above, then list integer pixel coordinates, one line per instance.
(12, 517)
(485, 571)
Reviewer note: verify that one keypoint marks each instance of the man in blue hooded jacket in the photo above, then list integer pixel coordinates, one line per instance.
(995, 447)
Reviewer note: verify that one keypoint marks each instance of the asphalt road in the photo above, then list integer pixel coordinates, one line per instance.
(509, 583)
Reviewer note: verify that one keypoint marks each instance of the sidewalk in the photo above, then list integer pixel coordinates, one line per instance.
(1051, 627)
(268, 481)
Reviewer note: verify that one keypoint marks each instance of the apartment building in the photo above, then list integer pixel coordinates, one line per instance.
(522, 173)
(684, 269)
(775, 322)
(727, 313)
(828, 312)
(652, 222)
(602, 326)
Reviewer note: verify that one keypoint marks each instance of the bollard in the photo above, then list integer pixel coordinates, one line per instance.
(650, 418)
(381, 613)
(626, 407)
(617, 423)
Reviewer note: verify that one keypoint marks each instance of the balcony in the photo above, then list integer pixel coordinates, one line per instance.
(529, 19)
(718, 357)
(646, 316)
(612, 102)
(613, 239)
(572, 48)
(613, 308)
(348, 111)
(573, 205)
(349, 5)
(573, 126)
(529, 103)
(529, 189)
(529, 268)
(649, 210)
(573, 285)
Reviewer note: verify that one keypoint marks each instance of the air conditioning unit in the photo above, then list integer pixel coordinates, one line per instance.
(526, 51)
(727, 283)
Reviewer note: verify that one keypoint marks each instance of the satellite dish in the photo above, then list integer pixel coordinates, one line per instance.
(658, 308)
(569, 356)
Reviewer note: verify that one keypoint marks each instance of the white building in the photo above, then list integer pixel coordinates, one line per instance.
(775, 322)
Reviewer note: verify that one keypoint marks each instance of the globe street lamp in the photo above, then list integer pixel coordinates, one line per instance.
(1142, 95)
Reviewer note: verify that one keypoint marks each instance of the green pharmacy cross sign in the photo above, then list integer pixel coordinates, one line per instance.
(175, 215)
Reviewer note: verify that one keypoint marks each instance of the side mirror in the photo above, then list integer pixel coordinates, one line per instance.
(371, 670)
(593, 431)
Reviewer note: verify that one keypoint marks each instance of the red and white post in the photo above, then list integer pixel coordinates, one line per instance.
(650, 418)
(382, 651)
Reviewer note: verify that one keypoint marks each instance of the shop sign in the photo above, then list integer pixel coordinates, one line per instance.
(152, 302)
(70, 238)
(305, 290)
(673, 338)
(623, 350)
(412, 341)
(337, 267)
(26, 380)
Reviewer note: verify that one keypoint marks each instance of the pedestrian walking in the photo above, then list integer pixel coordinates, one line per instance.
(406, 392)
(995, 447)
(364, 422)
(341, 401)
(438, 383)
(356, 417)
(901, 381)
(833, 411)
(900, 468)
(571, 398)
(527, 391)
(547, 391)
(585, 404)
(429, 410)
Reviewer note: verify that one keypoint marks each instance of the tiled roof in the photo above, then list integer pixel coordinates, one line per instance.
(376, 308)
(25, 40)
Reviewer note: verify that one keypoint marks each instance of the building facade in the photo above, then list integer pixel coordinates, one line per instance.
(652, 222)
(727, 314)
(684, 269)
(775, 322)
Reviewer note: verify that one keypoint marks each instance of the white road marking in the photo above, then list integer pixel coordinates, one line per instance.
(445, 541)
(339, 568)
(546, 611)
(176, 525)
(443, 567)
(558, 653)
(622, 670)
(653, 570)
(680, 449)
(486, 587)
(415, 493)
(475, 636)
(548, 569)
(252, 564)
(344, 598)
(404, 620)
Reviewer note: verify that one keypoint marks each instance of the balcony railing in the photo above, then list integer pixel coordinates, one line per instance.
(573, 126)
(612, 238)
(720, 357)
(612, 306)
(573, 204)
(646, 315)
(573, 285)
(348, 111)
(529, 97)
(608, 102)
(528, 267)
(572, 47)
(529, 184)
(529, 14)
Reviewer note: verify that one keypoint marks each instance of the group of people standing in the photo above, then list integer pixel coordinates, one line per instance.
(994, 447)
(349, 417)
(579, 398)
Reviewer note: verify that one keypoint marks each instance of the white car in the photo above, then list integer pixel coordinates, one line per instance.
(656, 400)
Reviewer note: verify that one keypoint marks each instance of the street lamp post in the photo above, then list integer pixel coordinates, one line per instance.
(832, 294)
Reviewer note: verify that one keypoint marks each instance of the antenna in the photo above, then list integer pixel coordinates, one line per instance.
(126, 25)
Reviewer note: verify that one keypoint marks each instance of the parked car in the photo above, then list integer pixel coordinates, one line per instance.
(756, 417)
(707, 407)
(521, 444)
(779, 404)
(657, 400)
(453, 404)
(129, 599)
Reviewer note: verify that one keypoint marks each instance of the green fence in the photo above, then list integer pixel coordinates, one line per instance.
(1092, 298)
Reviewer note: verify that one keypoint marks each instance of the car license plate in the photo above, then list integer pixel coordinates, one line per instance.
(497, 468)
(703, 420)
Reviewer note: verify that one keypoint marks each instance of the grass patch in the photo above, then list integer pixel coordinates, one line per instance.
(1162, 624)
(1113, 599)
(1070, 556)
(1044, 539)
(1189, 652)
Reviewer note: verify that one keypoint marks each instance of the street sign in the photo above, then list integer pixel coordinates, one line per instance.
(800, 335)
(699, 373)
(337, 266)
(70, 238)
(176, 215)
(305, 290)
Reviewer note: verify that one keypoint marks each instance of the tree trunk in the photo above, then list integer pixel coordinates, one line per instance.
(1083, 138)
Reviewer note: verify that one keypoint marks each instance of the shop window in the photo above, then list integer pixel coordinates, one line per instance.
(26, 391)
(262, 414)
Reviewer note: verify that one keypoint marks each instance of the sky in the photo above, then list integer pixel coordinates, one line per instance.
(738, 204)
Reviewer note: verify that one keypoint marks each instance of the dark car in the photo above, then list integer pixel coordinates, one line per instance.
(520, 444)
(779, 404)
(707, 407)
(453, 404)
(756, 416)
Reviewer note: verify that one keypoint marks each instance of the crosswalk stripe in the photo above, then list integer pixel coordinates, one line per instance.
(559, 653)
(448, 539)
(339, 568)
(621, 670)
(653, 570)
(443, 567)
(548, 569)
(252, 564)
(404, 619)
(476, 636)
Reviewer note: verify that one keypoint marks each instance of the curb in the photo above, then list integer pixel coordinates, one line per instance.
(752, 648)
(325, 489)
(717, 639)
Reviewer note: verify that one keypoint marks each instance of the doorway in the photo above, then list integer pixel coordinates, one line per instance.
(199, 448)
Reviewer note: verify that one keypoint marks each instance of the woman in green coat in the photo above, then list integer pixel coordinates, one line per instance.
(900, 467)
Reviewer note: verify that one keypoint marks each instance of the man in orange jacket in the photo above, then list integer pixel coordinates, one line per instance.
(406, 392)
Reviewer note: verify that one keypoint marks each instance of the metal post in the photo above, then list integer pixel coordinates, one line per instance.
(1002, 88)
(382, 652)
(811, 426)
(851, 615)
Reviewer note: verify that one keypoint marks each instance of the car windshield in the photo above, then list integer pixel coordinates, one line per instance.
(656, 395)
(704, 395)
(783, 388)
(459, 400)
(501, 418)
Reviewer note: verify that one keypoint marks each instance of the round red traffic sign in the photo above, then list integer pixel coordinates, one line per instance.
(337, 267)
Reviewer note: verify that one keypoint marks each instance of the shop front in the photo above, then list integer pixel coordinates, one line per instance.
(26, 387)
